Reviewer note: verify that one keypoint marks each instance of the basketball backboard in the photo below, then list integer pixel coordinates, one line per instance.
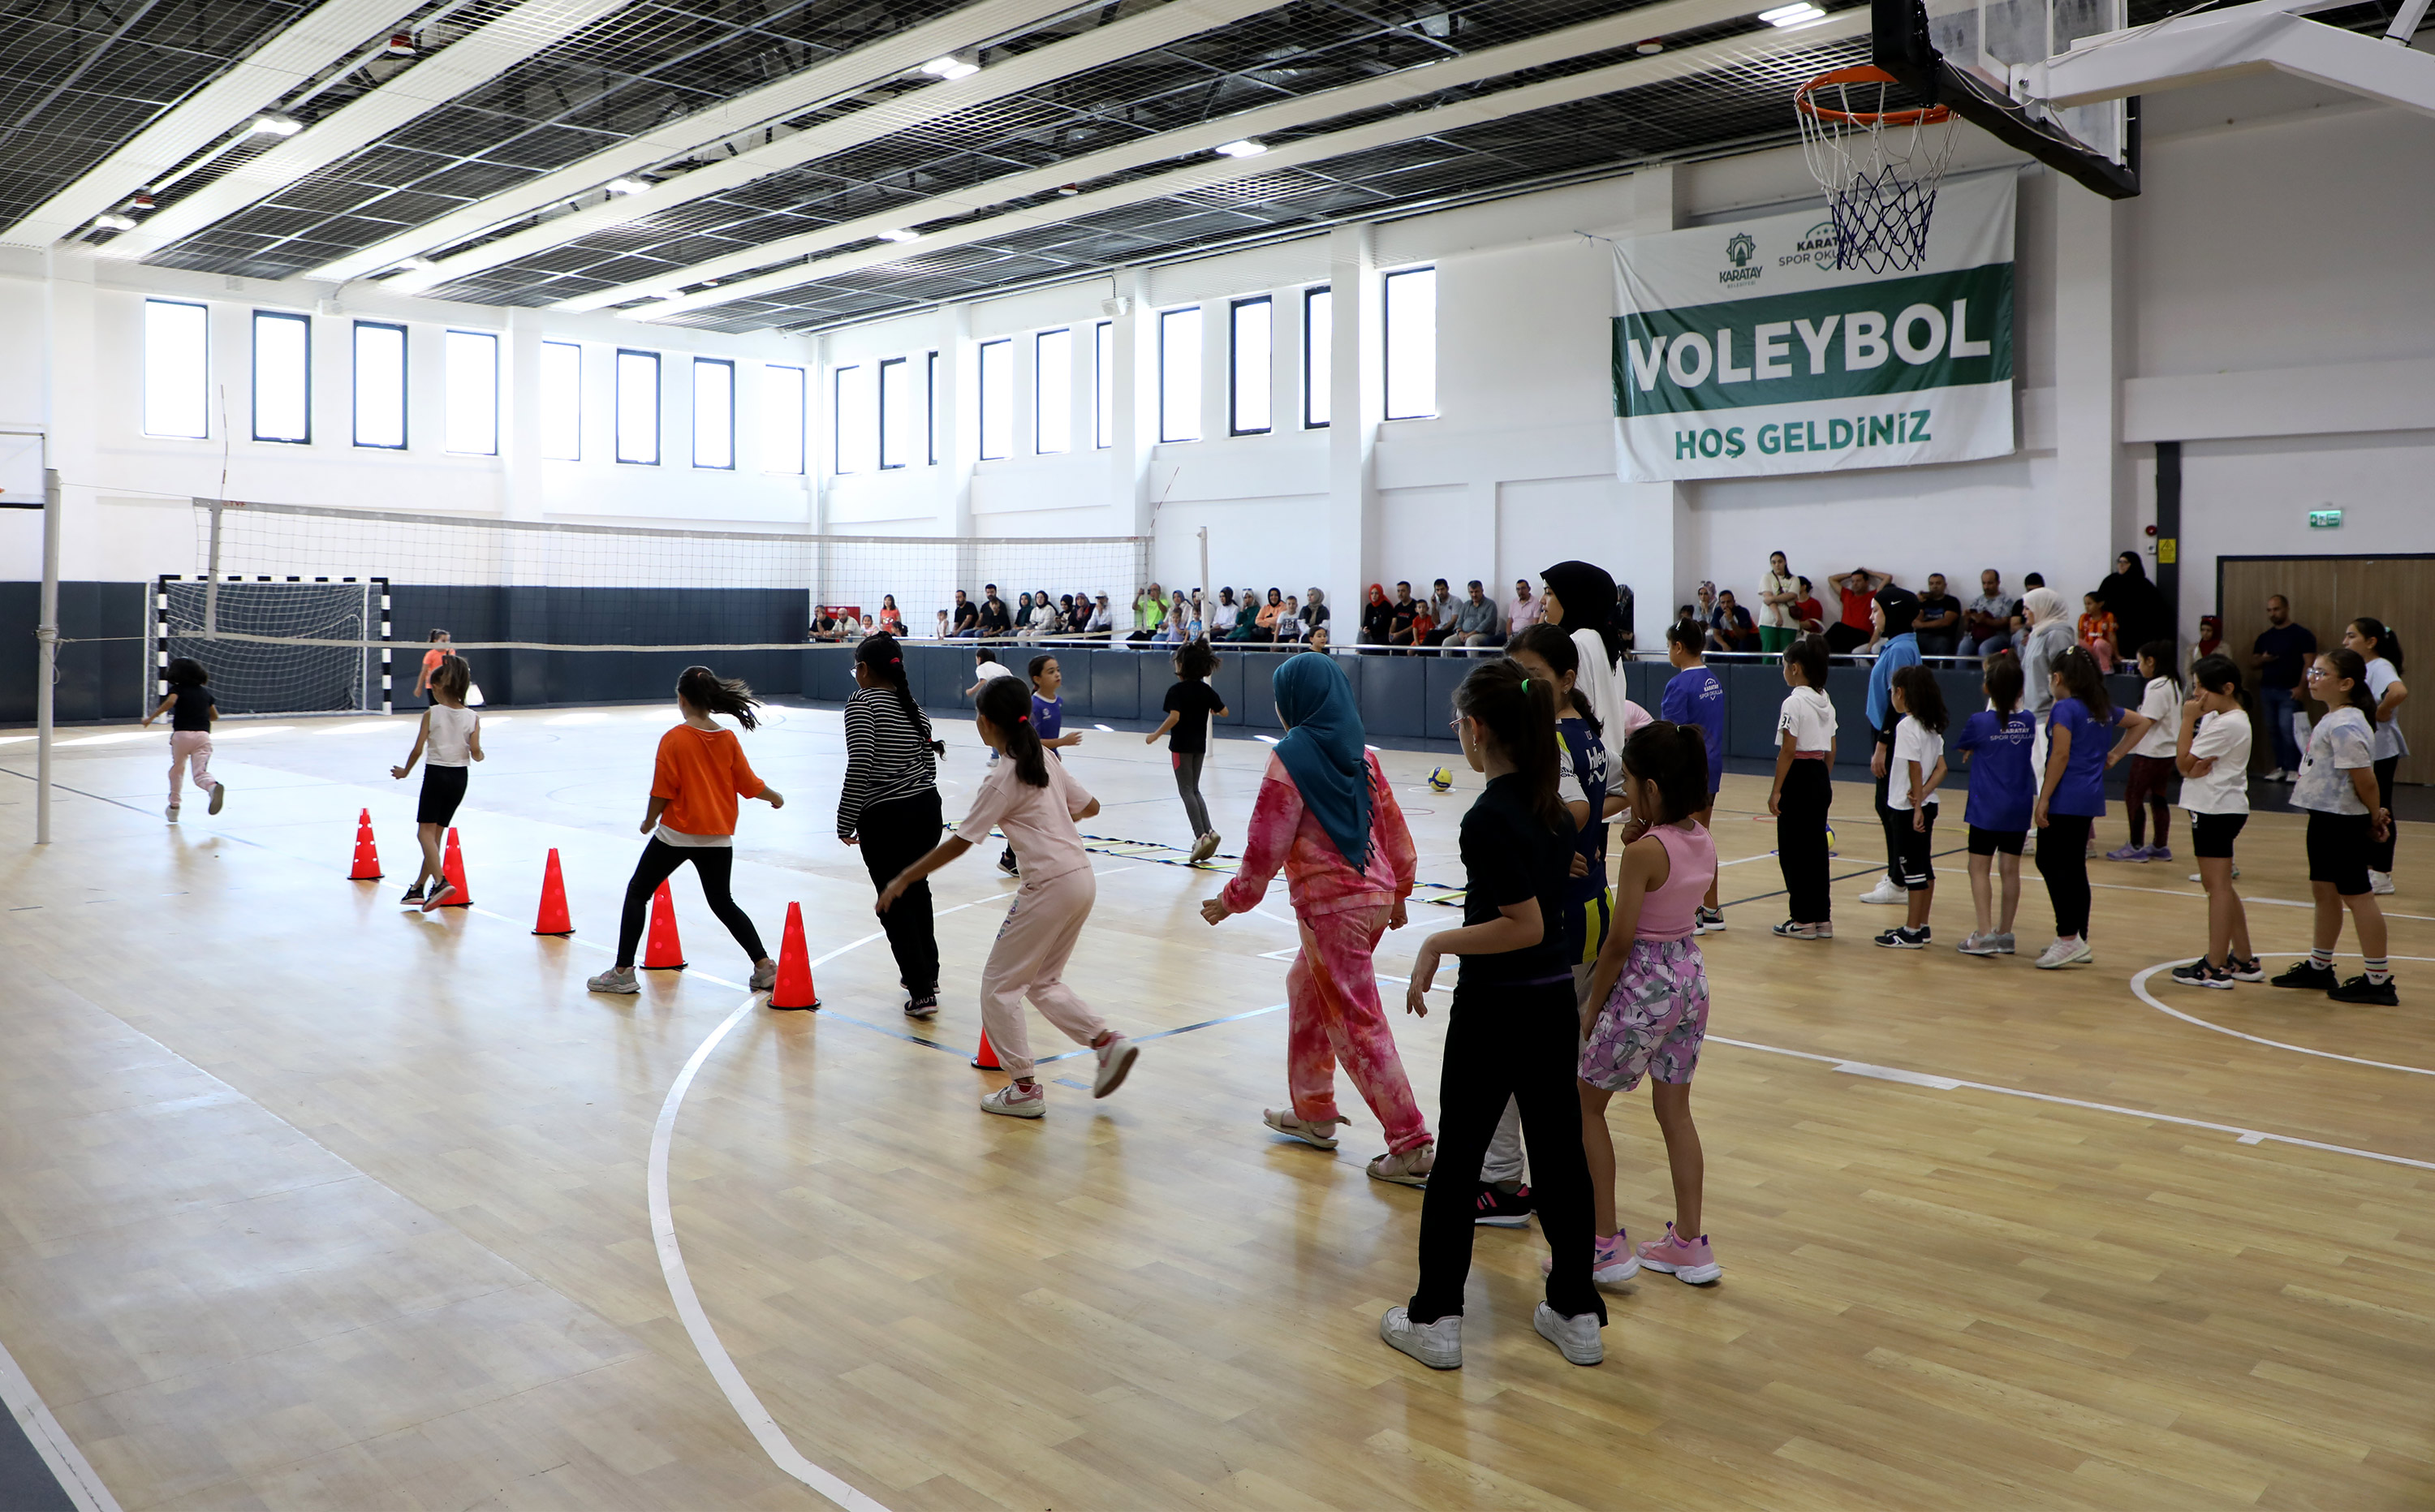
(1976, 57)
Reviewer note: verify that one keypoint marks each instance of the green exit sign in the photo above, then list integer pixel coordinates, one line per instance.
(2325, 519)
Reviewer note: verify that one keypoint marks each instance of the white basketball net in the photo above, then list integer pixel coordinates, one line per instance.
(1879, 167)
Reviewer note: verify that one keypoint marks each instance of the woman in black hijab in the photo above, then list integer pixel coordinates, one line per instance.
(2138, 607)
(1580, 599)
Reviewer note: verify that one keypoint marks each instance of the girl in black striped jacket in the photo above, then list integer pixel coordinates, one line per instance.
(889, 806)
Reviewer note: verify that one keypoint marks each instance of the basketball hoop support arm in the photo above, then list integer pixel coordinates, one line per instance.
(46, 641)
(1916, 62)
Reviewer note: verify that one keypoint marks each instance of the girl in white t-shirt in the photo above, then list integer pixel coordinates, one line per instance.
(2212, 752)
(2380, 650)
(1033, 800)
(1918, 768)
(2346, 816)
(452, 734)
(1805, 790)
(2147, 738)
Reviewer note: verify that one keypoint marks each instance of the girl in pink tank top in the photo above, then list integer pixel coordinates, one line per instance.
(1650, 986)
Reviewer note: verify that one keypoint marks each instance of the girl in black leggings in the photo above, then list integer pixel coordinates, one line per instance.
(2071, 799)
(890, 807)
(700, 773)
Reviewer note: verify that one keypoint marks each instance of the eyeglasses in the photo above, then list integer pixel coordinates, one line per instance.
(2320, 672)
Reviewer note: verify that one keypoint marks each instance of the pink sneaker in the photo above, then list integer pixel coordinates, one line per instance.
(1683, 1260)
(1611, 1261)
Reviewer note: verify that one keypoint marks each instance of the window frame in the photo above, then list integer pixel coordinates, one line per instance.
(1317, 385)
(1103, 379)
(1268, 374)
(800, 425)
(838, 457)
(1386, 340)
(884, 465)
(1201, 319)
(1041, 388)
(930, 406)
(658, 408)
(448, 402)
(981, 404)
(699, 364)
(203, 399)
(405, 382)
(285, 316)
(541, 378)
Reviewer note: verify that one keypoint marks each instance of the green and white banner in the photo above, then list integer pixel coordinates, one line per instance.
(1742, 350)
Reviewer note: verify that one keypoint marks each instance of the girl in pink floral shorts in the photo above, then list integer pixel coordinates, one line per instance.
(1652, 985)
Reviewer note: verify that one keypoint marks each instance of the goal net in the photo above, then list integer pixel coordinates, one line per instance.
(278, 646)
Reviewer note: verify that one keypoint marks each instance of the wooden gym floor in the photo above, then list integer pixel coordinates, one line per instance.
(305, 1202)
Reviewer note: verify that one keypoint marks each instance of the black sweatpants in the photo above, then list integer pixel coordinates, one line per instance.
(2380, 857)
(2063, 861)
(1520, 1041)
(1801, 841)
(1895, 822)
(714, 864)
(895, 835)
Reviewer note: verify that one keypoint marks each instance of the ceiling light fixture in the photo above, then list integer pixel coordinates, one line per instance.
(114, 222)
(950, 68)
(401, 44)
(270, 123)
(625, 186)
(1245, 148)
(1649, 48)
(899, 236)
(416, 265)
(1787, 18)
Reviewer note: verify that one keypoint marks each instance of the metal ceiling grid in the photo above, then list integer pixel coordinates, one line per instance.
(1299, 49)
(79, 77)
(630, 71)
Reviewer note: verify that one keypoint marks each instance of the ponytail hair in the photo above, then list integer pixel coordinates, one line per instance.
(2349, 663)
(1520, 716)
(455, 678)
(2388, 644)
(185, 671)
(2161, 653)
(1923, 698)
(706, 691)
(1194, 661)
(2084, 682)
(1674, 759)
(1007, 706)
(1807, 654)
(2004, 683)
(885, 658)
(1549, 644)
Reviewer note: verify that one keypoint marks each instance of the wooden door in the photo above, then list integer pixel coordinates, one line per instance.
(2326, 593)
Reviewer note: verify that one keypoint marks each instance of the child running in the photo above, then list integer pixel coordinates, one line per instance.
(1326, 814)
(1805, 790)
(452, 736)
(2337, 786)
(191, 710)
(2212, 750)
(696, 780)
(1652, 989)
(1997, 742)
(1694, 696)
(1512, 1031)
(1048, 722)
(1918, 768)
(1035, 802)
(2071, 799)
(1190, 705)
(2147, 738)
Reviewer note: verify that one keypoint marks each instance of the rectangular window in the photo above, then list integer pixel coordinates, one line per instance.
(638, 407)
(1413, 343)
(857, 419)
(176, 369)
(1052, 398)
(782, 420)
(1318, 352)
(380, 386)
(1253, 372)
(930, 405)
(561, 401)
(474, 392)
(903, 412)
(997, 399)
(283, 377)
(1103, 384)
(714, 413)
(1179, 376)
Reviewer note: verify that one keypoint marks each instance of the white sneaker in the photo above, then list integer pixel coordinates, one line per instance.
(1437, 1345)
(1117, 1059)
(2235, 875)
(219, 797)
(1015, 1100)
(619, 979)
(2066, 952)
(2380, 884)
(1886, 891)
(2274, 776)
(173, 814)
(1578, 1337)
(1204, 847)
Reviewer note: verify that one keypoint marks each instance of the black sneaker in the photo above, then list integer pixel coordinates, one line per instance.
(1006, 863)
(2251, 970)
(1499, 1209)
(1904, 939)
(1708, 921)
(413, 895)
(2305, 972)
(2359, 990)
(2199, 973)
(923, 1005)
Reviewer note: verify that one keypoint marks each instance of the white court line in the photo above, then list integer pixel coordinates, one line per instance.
(2139, 987)
(66, 1463)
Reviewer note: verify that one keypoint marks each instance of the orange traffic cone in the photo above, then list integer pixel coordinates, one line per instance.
(985, 1058)
(794, 989)
(452, 867)
(366, 868)
(553, 920)
(662, 949)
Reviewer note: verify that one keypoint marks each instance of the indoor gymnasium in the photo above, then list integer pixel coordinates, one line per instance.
(746, 761)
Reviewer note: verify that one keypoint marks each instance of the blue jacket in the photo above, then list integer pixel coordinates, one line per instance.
(1902, 651)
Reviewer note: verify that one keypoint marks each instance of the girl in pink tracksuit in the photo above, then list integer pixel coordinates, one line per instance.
(191, 710)
(1328, 816)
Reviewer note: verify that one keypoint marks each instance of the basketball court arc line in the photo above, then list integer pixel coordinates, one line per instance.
(2139, 988)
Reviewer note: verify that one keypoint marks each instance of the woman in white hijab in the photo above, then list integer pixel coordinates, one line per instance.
(2046, 638)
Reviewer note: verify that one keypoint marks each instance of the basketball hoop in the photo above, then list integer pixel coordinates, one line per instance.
(1879, 167)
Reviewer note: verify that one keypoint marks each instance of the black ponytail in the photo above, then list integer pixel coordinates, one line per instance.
(1520, 716)
(1674, 759)
(1549, 644)
(2388, 644)
(1007, 705)
(711, 693)
(2349, 663)
(885, 658)
(2081, 680)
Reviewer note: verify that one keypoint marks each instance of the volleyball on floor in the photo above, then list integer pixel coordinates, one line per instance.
(1441, 778)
